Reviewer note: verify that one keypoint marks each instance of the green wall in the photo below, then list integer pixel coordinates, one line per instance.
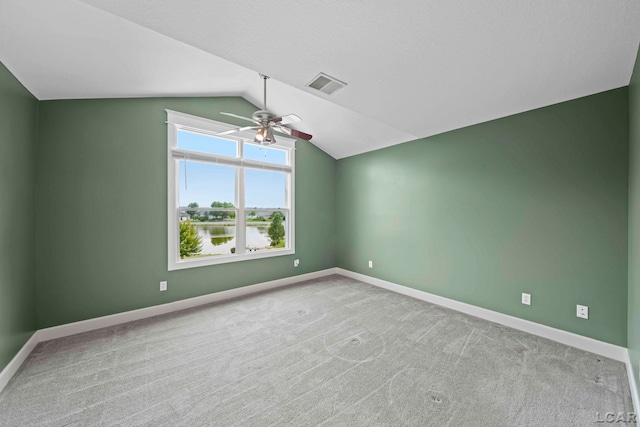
(633, 331)
(535, 202)
(18, 109)
(101, 210)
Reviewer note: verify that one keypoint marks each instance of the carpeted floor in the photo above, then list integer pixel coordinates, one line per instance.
(333, 351)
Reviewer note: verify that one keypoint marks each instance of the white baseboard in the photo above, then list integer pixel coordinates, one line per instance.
(633, 386)
(588, 344)
(10, 370)
(156, 310)
(115, 319)
(574, 340)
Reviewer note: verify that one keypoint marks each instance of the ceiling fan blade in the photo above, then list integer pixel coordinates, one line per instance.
(294, 133)
(227, 132)
(239, 117)
(285, 120)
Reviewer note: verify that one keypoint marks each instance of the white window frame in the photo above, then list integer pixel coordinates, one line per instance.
(177, 121)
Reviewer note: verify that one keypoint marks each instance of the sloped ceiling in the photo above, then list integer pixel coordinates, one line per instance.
(413, 68)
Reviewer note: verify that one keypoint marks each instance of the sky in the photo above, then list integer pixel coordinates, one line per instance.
(206, 183)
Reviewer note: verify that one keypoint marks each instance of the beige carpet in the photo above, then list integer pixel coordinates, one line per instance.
(332, 351)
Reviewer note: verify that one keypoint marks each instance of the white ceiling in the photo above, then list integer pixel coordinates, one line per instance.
(414, 68)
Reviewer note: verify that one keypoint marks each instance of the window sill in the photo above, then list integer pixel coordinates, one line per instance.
(226, 259)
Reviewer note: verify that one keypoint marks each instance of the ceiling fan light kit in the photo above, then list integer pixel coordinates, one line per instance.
(264, 136)
(265, 122)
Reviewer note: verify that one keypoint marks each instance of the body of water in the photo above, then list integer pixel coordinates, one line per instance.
(219, 239)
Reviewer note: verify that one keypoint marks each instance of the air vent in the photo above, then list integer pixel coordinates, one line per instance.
(326, 84)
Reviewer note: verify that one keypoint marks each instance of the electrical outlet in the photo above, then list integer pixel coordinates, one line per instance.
(582, 311)
(163, 285)
(296, 262)
(370, 264)
(526, 299)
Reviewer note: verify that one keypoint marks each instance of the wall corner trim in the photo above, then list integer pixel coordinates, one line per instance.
(12, 367)
(633, 385)
(611, 351)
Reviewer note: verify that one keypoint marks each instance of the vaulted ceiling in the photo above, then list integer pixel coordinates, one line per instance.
(413, 68)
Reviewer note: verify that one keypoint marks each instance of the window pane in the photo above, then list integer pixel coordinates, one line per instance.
(203, 239)
(265, 154)
(265, 189)
(266, 230)
(207, 144)
(206, 184)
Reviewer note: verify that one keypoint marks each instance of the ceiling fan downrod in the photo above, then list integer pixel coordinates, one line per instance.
(264, 79)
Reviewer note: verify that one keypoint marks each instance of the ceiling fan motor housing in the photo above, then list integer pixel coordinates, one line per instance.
(263, 116)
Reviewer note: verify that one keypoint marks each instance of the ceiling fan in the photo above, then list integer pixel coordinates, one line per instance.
(265, 122)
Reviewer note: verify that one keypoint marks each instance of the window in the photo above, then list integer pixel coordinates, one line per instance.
(228, 198)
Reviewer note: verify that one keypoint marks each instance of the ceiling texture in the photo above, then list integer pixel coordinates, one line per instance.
(413, 68)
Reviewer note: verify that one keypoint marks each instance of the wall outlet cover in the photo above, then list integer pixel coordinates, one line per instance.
(370, 264)
(582, 311)
(296, 262)
(526, 299)
(163, 285)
